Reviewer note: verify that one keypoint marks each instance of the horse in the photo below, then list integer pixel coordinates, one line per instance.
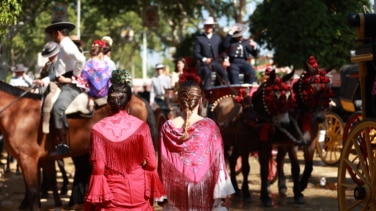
(21, 126)
(264, 121)
(312, 92)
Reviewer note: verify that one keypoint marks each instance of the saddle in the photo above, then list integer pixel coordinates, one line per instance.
(82, 105)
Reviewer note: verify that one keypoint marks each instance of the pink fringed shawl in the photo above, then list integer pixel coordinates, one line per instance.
(189, 171)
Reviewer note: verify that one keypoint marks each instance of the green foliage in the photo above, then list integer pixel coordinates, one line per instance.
(296, 29)
(9, 13)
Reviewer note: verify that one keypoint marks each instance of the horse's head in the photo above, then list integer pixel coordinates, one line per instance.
(312, 90)
(273, 100)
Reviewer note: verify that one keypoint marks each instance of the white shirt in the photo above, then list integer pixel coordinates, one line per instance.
(110, 62)
(158, 86)
(68, 59)
(21, 81)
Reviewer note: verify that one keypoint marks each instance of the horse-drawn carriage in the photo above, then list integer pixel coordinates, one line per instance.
(357, 169)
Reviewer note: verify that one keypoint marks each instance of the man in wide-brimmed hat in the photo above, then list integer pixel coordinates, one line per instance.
(67, 67)
(207, 50)
(239, 51)
(20, 79)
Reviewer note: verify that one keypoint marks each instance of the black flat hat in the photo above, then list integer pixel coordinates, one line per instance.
(58, 25)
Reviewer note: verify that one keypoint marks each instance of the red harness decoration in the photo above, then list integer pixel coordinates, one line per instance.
(264, 131)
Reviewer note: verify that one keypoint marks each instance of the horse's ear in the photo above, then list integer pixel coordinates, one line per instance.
(328, 69)
(289, 75)
(310, 69)
(272, 76)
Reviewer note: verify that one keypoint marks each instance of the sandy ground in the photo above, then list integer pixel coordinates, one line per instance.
(317, 198)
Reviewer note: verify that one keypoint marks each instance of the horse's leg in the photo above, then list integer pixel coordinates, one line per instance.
(29, 166)
(295, 173)
(64, 187)
(245, 171)
(49, 172)
(232, 158)
(80, 180)
(264, 157)
(282, 187)
(309, 151)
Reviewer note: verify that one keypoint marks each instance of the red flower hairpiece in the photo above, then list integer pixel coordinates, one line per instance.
(189, 77)
(100, 43)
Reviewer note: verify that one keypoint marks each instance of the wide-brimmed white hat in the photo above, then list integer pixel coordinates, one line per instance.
(242, 28)
(50, 49)
(209, 21)
(19, 68)
(159, 66)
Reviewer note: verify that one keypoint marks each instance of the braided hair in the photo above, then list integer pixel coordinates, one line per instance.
(189, 95)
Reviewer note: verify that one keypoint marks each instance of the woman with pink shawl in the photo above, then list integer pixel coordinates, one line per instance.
(191, 156)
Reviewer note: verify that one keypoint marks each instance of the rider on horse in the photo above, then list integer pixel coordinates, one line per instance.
(68, 66)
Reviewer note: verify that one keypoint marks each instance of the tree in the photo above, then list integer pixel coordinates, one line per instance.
(178, 20)
(296, 29)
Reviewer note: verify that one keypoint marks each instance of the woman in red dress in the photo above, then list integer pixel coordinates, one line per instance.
(124, 173)
(191, 156)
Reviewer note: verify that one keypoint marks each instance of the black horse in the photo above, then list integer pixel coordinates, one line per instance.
(312, 92)
(265, 121)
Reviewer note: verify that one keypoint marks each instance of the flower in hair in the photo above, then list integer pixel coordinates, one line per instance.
(99, 43)
(121, 76)
(189, 77)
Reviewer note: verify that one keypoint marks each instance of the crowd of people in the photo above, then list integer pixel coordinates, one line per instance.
(190, 173)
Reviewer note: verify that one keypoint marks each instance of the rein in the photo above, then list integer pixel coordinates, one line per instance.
(19, 97)
(288, 134)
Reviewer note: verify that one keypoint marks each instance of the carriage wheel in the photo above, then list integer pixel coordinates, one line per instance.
(329, 144)
(160, 118)
(352, 120)
(356, 189)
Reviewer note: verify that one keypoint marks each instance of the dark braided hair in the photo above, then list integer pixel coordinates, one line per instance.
(189, 95)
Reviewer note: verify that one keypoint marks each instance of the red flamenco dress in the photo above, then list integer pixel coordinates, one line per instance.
(124, 173)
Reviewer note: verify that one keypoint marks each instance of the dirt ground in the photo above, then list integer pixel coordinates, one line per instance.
(317, 198)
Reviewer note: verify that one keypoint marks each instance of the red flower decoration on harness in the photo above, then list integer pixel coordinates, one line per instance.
(277, 97)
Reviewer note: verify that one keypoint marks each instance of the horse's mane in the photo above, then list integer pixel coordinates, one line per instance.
(18, 91)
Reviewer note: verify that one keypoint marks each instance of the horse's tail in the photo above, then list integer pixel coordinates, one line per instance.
(152, 122)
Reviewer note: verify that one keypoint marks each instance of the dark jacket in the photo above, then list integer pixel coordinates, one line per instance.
(209, 48)
(230, 44)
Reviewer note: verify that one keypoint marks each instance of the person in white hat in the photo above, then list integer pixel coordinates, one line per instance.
(159, 83)
(239, 51)
(68, 68)
(20, 79)
(207, 50)
(107, 52)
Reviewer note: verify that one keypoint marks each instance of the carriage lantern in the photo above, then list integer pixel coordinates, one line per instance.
(364, 55)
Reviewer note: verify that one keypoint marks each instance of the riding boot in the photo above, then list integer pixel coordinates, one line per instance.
(62, 148)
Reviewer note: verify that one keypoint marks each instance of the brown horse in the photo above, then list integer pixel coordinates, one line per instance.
(265, 121)
(20, 124)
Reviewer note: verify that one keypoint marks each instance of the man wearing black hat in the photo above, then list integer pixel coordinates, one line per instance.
(239, 51)
(68, 67)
